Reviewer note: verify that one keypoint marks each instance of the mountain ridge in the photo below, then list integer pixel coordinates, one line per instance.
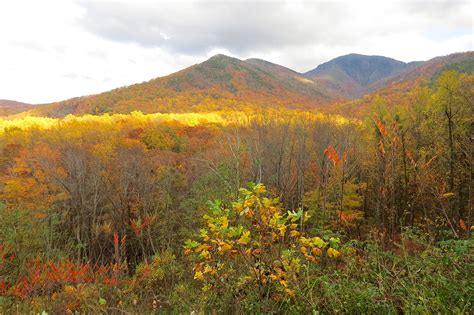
(227, 83)
(11, 107)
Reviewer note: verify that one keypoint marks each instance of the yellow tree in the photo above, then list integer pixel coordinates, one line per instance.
(30, 196)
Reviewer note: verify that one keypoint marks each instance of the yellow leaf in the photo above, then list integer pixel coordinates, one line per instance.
(238, 207)
(199, 276)
(294, 233)
(290, 292)
(350, 251)
(295, 264)
(333, 253)
(282, 229)
(205, 254)
(306, 216)
(202, 247)
(224, 222)
(280, 272)
(305, 241)
(224, 247)
(274, 236)
(317, 241)
(210, 270)
(245, 238)
(260, 188)
(448, 195)
(267, 203)
(212, 226)
(249, 202)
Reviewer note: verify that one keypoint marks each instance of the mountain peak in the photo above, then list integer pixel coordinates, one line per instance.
(220, 61)
(351, 74)
(354, 57)
(221, 57)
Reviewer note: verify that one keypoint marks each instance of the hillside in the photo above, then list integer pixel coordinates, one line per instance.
(395, 89)
(352, 75)
(291, 79)
(461, 62)
(9, 107)
(226, 83)
(219, 83)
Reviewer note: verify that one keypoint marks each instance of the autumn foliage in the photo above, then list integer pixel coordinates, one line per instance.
(110, 213)
(255, 244)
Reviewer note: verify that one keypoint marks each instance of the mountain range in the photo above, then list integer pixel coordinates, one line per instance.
(225, 83)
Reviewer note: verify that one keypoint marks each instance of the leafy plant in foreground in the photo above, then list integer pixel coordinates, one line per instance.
(254, 251)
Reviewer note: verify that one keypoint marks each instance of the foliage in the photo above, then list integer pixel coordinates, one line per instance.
(95, 209)
(254, 253)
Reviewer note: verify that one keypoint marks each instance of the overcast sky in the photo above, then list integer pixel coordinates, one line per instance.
(54, 50)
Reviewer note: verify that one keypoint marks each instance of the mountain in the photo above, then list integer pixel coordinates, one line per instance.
(226, 83)
(429, 70)
(219, 83)
(9, 107)
(394, 89)
(352, 75)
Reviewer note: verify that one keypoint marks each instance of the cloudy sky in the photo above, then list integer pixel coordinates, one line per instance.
(53, 50)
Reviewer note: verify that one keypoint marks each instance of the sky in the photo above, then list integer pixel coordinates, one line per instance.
(55, 50)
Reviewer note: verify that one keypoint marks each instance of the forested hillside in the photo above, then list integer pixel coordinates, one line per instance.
(219, 189)
(395, 89)
(351, 75)
(8, 107)
(344, 85)
(220, 83)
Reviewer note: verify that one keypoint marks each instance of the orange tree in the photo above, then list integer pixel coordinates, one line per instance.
(254, 253)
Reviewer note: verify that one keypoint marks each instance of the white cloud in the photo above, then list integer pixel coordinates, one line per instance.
(53, 50)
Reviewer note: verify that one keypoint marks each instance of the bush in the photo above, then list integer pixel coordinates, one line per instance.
(252, 257)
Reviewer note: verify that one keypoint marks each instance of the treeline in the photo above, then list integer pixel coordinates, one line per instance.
(109, 202)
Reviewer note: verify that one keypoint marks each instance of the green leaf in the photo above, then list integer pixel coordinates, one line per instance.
(334, 242)
(244, 191)
(190, 244)
(102, 301)
(235, 231)
(295, 216)
(214, 207)
(319, 242)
